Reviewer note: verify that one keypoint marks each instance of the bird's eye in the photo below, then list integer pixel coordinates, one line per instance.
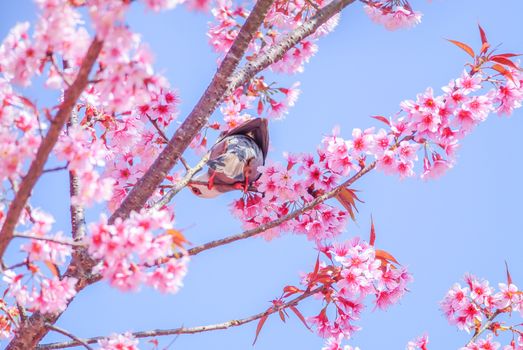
(196, 190)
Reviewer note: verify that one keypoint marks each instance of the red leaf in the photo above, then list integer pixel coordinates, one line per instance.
(483, 35)
(300, 316)
(509, 54)
(503, 71)
(259, 327)
(260, 107)
(505, 61)
(464, 47)
(290, 290)
(52, 267)
(509, 278)
(282, 316)
(372, 232)
(484, 42)
(381, 119)
(383, 255)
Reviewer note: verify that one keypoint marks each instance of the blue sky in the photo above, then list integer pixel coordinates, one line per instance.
(467, 221)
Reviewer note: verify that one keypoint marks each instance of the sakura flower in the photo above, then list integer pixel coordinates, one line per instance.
(124, 341)
(419, 343)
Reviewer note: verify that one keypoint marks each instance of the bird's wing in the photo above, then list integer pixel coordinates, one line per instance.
(257, 129)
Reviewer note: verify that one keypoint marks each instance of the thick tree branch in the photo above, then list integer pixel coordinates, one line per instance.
(198, 117)
(77, 211)
(35, 170)
(33, 329)
(276, 52)
(192, 330)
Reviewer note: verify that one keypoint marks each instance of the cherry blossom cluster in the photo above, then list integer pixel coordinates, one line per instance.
(83, 153)
(352, 272)
(430, 125)
(124, 341)
(392, 14)
(19, 134)
(8, 319)
(282, 192)
(476, 306)
(41, 249)
(47, 295)
(134, 140)
(283, 17)
(32, 289)
(129, 252)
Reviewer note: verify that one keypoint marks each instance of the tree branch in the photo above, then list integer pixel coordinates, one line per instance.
(193, 330)
(68, 334)
(198, 117)
(279, 221)
(34, 328)
(182, 183)
(35, 170)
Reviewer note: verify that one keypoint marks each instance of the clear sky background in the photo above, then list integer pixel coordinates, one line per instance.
(467, 221)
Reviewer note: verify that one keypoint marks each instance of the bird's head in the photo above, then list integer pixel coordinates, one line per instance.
(201, 189)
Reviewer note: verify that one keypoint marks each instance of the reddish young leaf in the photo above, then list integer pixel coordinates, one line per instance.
(52, 267)
(383, 255)
(464, 47)
(483, 35)
(381, 119)
(484, 42)
(259, 327)
(282, 315)
(290, 290)
(509, 54)
(505, 61)
(372, 232)
(300, 316)
(509, 278)
(177, 237)
(503, 71)
(260, 107)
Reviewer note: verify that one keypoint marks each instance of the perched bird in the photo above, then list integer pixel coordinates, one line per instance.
(234, 160)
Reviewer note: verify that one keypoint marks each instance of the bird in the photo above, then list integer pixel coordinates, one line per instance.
(234, 160)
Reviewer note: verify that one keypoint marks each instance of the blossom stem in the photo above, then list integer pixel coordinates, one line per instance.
(50, 239)
(485, 326)
(192, 330)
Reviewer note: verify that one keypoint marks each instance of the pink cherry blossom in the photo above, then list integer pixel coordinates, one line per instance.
(124, 341)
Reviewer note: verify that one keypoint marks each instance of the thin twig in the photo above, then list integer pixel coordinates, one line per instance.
(68, 334)
(58, 168)
(50, 239)
(193, 330)
(181, 184)
(59, 71)
(166, 139)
